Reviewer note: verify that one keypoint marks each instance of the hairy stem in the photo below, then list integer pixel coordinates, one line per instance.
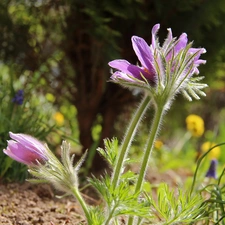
(83, 204)
(159, 112)
(132, 128)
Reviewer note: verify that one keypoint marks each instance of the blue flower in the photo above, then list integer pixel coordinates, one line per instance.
(211, 173)
(18, 98)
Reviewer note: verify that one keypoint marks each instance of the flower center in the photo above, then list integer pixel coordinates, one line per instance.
(147, 71)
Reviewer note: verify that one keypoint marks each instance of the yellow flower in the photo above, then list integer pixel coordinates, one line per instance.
(195, 124)
(158, 144)
(213, 154)
(59, 118)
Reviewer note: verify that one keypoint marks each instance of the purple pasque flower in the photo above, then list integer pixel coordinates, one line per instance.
(163, 69)
(211, 173)
(18, 98)
(25, 149)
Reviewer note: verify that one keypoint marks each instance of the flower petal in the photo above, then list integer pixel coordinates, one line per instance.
(19, 153)
(182, 43)
(28, 141)
(154, 33)
(144, 54)
(127, 68)
(26, 149)
(120, 75)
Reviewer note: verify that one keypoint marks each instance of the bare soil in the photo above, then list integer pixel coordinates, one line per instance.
(31, 204)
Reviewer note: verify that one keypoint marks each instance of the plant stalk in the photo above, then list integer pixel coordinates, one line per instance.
(159, 112)
(132, 128)
(83, 204)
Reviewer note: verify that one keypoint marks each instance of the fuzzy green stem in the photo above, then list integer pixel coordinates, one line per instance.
(83, 204)
(153, 134)
(110, 216)
(128, 139)
(159, 112)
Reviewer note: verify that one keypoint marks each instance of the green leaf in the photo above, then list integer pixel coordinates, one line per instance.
(111, 150)
(121, 200)
(177, 207)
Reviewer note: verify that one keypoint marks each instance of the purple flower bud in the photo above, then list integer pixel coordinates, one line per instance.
(211, 173)
(25, 149)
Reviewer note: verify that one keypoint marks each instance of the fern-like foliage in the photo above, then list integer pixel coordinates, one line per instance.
(176, 208)
(120, 200)
(97, 215)
(111, 151)
(215, 202)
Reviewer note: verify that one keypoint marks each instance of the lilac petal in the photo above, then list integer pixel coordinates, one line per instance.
(170, 35)
(168, 40)
(197, 61)
(19, 153)
(154, 33)
(200, 61)
(28, 141)
(120, 75)
(135, 71)
(14, 157)
(127, 68)
(199, 50)
(144, 53)
(182, 43)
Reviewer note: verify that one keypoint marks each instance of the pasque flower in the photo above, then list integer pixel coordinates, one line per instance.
(25, 149)
(45, 166)
(163, 70)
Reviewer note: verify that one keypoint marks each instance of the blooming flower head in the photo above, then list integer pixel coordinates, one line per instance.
(211, 173)
(195, 124)
(18, 98)
(158, 144)
(25, 149)
(163, 70)
(214, 153)
(59, 118)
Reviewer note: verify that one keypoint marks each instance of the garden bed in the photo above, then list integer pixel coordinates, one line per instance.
(26, 204)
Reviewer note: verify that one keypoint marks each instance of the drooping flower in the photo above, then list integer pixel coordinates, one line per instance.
(163, 70)
(18, 98)
(211, 173)
(195, 124)
(214, 153)
(25, 149)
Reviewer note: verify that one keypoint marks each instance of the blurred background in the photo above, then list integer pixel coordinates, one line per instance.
(54, 73)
